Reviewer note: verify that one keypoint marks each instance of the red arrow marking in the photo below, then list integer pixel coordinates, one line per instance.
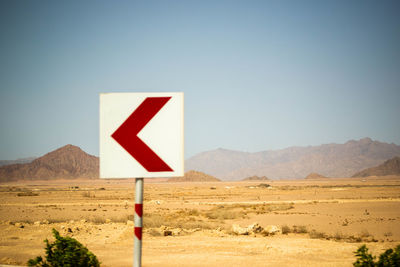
(126, 134)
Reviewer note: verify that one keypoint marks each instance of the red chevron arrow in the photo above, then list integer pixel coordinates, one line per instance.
(126, 134)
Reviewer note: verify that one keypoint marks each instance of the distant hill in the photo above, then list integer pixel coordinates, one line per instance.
(17, 161)
(331, 160)
(314, 175)
(389, 167)
(66, 162)
(256, 178)
(194, 176)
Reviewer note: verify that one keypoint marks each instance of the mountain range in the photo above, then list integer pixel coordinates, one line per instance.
(389, 167)
(17, 161)
(330, 160)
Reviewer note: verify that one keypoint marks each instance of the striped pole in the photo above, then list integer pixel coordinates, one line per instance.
(137, 245)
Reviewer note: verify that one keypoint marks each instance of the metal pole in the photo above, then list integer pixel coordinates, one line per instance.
(137, 245)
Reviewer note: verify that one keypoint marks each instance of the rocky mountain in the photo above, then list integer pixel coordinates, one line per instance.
(256, 178)
(331, 160)
(389, 167)
(313, 176)
(17, 161)
(66, 162)
(194, 176)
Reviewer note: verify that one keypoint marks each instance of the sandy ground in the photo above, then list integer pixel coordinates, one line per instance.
(325, 220)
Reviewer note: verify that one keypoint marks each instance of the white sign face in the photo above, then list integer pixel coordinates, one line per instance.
(141, 135)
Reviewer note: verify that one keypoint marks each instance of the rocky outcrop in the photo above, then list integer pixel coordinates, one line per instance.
(66, 162)
(389, 167)
(194, 176)
(314, 176)
(255, 228)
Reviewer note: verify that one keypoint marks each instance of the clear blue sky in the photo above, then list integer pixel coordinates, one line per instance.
(257, 75)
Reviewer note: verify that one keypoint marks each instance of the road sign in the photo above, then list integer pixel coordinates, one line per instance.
(141, 135)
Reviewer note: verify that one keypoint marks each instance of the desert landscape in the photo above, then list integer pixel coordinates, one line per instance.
(199, 219)
(314, 222)
(266, 133)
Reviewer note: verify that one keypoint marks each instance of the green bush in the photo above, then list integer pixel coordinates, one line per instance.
(65, 252)
(390, 258)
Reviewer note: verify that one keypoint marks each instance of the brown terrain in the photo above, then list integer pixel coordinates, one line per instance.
(256, 178)
(17, 161)
(330, 160)
(66, 162)
(289, 223)
(314, 176)
(194, 176)
(202, 222)
(389, 167)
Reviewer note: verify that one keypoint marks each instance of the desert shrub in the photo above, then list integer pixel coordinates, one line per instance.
(317, 235)
(364, 259)
(286, 229)
(88, 194)
(339, 236)
(389, 258)
(300, 229)
(154, 232)
(387, 234)
(154, 220)
(223, 214)
(364, 233)
(98, 219)
(280, 207)
(65, 251)
(27, 194)
(193, 212)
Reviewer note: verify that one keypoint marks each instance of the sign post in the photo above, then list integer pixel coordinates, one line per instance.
(141, 135)
(137, 243)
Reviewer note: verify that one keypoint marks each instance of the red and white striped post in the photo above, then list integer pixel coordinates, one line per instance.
(137, 245)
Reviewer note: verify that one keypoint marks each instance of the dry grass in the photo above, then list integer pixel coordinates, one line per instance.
(241, 210)
(300, 229)
(88, 194)
(364, 233)
(286, 229)
(176, 220)
(27, 194)
(223, 214)
(317, 235)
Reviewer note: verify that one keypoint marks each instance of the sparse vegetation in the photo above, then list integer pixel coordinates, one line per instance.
(317, 235)
(176, 220)
(364, 233)
(285, 230)
(28, 194)
(88, 194)
(388, 234)
(223, 214)
(299, 229)
(339, 236)
(65, 251)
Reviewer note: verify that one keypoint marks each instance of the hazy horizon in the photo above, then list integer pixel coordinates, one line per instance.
(216, 148)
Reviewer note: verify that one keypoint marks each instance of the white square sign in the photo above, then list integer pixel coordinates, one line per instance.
(141, 135)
